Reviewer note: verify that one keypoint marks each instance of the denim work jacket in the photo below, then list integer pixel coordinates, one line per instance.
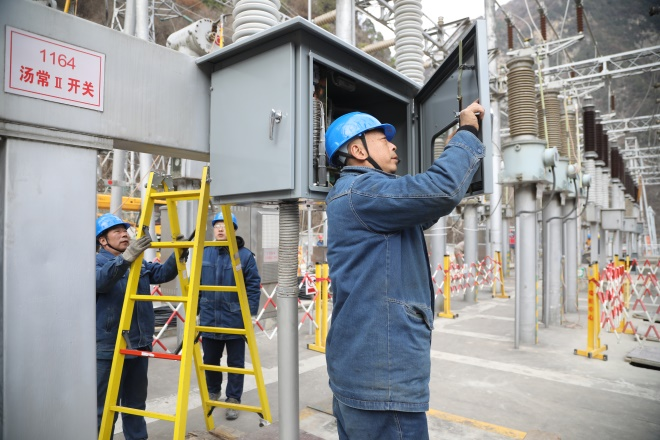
(111, 278)
(378, 347)
(222, 309)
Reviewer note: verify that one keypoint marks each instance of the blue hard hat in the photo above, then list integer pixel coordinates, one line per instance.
(219, 218)
(348, 126)
(108, 221)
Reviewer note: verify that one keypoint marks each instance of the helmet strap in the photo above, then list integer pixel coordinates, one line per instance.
(369, 158)
(107, 243)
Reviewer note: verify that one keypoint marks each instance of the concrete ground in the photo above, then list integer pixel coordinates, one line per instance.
(481, 386)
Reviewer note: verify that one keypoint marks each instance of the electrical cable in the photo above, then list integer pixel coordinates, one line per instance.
(530, 16)
(552, 194)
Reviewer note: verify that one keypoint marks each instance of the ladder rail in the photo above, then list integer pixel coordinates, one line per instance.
(190, 351)
(112, 392)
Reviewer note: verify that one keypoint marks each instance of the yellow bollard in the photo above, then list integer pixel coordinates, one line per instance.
(594, 349)
(446, 311)
(321, 309)
(498, 259)
(324, 301)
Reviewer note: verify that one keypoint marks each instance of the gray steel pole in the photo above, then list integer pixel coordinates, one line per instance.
(602, 249)
(496, 239)
(118, 182)
(525, 324)
(505, 246)
(287, 322)
(571, 252)
(470, 245)
(346, 21)
(552, 252)
(595, 233)
(146, 161)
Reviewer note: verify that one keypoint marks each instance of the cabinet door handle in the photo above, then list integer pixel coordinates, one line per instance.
(275, 118)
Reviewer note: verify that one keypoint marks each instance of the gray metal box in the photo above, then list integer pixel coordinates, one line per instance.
(265, 98)
(612, 219)
(640, 228)
(592, 213)
(629, 224)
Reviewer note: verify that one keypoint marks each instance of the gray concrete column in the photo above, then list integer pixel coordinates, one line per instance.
(470, 242)
(552, 256)
(571, 250)
(525, 254)
(47, 284)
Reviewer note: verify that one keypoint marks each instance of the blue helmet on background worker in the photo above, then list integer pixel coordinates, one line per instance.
(347, 127)
(220, 218)
(108, 221)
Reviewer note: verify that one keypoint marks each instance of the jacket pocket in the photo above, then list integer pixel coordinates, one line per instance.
(110, 319)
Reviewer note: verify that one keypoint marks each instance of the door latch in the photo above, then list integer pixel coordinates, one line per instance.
(275, 118)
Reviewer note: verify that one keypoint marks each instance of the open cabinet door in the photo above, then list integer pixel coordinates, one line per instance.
(461, 79)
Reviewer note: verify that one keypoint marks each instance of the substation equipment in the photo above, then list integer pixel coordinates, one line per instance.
(257, 109)
(285, 86)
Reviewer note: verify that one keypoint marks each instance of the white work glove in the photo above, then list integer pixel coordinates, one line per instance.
(136, 248)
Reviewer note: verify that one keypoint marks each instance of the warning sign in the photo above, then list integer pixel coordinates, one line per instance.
(48, 69)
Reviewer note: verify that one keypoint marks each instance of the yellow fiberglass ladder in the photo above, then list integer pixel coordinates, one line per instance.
(159, 187)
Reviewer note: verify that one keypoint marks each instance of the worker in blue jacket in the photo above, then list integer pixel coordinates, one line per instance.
(378, 346)
(222, 309)
(113, 261)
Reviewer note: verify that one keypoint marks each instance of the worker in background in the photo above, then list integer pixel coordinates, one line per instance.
(113, 261)
(379, 370)
(222, 309)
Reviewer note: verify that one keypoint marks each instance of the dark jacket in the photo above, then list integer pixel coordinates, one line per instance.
(222, 309)
(378, 347)
(111, 278)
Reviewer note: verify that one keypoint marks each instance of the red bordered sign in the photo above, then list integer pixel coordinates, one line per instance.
(48, 69)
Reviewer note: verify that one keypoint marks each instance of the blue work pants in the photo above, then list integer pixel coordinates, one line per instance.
(213, 349)
(360, 424)
(132, 394)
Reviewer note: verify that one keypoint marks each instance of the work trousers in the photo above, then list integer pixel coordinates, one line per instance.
(361, 424)
(132, 393)
(213, 349)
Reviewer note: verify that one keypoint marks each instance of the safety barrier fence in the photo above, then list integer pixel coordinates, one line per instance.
(452, 280)
(315, 311)
(610, 295)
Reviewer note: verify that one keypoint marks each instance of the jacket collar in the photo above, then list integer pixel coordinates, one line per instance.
(365, 170)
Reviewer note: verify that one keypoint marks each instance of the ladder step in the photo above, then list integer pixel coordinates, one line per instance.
(239, 406)
(223, 243)
(223, 369)
(222, 330)
(192, 194)
(172, 244)
(219, 288)
(164, 298)
(139, 412)
(151, 354)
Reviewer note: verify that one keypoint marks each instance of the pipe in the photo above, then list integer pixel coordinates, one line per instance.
(346, 21)
(129, 18)
(287, 322)
(552, 252)
(117, 187)
(571, 251)
(470, 247)
(146, 164)
(142, 19)
(526, 229)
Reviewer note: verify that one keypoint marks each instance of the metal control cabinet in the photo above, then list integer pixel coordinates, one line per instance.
(266, 91)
